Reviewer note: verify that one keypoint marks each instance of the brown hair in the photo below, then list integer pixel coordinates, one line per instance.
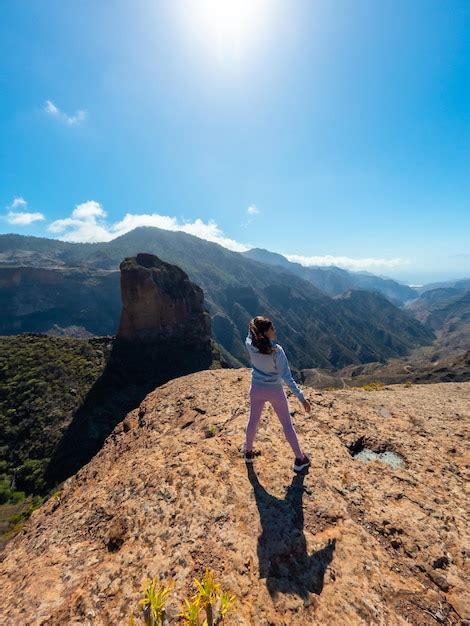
(257, 327)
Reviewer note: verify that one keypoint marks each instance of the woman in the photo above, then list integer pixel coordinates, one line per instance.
(269, 368)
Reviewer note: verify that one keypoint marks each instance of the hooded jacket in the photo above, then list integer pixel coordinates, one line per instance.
(271, 369)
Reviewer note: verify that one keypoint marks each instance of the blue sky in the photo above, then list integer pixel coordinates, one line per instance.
(330, 131)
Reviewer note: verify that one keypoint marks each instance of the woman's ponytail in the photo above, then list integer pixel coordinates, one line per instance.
(257, 327)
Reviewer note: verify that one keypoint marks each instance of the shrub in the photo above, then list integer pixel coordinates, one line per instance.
(208, 598)
(373, 386)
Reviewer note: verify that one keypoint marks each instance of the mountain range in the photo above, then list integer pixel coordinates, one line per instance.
(47, 285)
(335, 280)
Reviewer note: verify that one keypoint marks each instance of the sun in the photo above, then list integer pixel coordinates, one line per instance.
(229, 28)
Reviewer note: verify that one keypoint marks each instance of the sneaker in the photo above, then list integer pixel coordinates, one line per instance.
(300, 464)
(249, 456)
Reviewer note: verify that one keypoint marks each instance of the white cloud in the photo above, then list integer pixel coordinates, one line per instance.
(87, 223)
(73, 120)
(23, 218)
(51, 108)
(18, 202)
(345, 261)
(251, 212)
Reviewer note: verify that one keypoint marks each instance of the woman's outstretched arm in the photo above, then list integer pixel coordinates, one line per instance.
(284, 370)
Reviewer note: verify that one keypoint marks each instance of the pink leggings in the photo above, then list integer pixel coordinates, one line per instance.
(277, 398)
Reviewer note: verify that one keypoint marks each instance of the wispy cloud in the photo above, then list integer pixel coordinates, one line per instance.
(251, 212)
(73, 120)
(21, 218)
(345, 261)
(88, 223)
(18, 202)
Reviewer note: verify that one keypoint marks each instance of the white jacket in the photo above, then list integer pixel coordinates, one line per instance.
(271, 369)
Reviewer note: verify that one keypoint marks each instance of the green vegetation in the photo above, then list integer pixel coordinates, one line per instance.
(154, 600)
(209, 599)
(209, 595)
(13, 516)
(43, 380)
(373, 386)
(210, 431)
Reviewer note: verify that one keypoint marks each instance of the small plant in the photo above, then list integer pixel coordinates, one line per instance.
(154, 600)
(226, 603)
(208, 591)
(211, 431)
(408, 383)
(190, 611)
(373, 386)
(210, 598)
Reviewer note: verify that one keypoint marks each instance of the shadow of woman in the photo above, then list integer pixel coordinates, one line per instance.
(282, 547)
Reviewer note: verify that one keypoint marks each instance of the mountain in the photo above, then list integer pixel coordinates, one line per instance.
(462, 284)
(433, 299)
(334, 280)
(349, 542)
(446, 312)
(82, 290)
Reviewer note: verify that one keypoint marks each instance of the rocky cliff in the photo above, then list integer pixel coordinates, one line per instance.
(164, 333)
(349, 542)
(160, 302)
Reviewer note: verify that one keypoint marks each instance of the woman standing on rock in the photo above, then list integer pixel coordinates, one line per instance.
(269, 368)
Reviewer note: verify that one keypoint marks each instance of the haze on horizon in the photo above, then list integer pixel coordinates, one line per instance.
(335, 133)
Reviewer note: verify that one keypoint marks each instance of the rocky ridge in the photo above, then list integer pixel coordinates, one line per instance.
(169, 494)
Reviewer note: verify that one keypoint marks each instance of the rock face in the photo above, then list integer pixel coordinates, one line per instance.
(164, 333)
(160, 301)
(169, 493)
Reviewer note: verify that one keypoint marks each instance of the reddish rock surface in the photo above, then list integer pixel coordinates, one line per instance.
(159, 300)
(169, 494)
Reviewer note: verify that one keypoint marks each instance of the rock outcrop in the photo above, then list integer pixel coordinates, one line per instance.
(159, 302)
(164, 333)
(169, 494)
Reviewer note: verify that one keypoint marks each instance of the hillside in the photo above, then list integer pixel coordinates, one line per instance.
(43, 382)
(460, 283)
(422, 366)
(446, 312)
(169, 494)
(334, 280)
(316, 330)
